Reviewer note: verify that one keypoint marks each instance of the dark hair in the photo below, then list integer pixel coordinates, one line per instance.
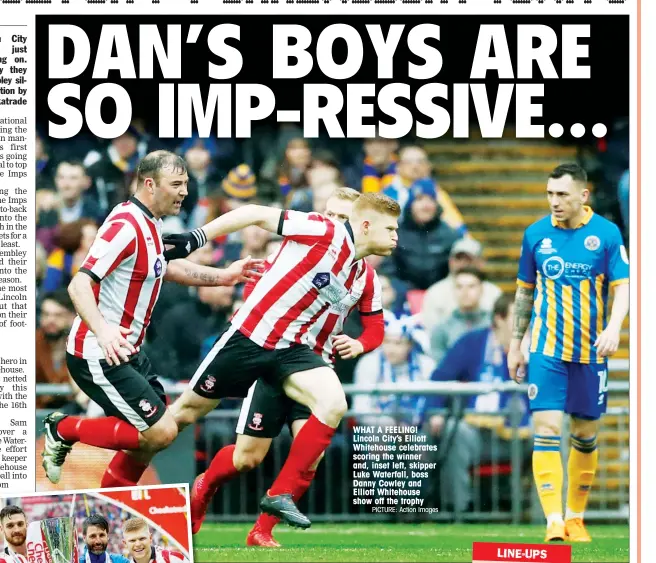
(153, 163)
(97, 520)
(472, 271)
(61, 297)
(570, 169)
(69, 235)
(75, 163)
(11, 510)
(502, 305)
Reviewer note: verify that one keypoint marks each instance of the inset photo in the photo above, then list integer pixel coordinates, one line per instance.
(131, 525)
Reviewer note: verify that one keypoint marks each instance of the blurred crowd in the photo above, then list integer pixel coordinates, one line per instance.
(444, 318)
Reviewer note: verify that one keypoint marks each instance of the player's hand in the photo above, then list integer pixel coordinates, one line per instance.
(243, 271)
(516, 364)
(608, 342)
(347, 347)
(114, 345)
(183, 244)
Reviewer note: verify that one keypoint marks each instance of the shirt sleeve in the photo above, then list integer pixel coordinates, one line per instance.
(304, 228)
(116, 242)
(526, 275)
(618, 259)
(371, 301)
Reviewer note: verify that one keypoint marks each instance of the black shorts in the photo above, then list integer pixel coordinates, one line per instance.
(128, 391)
(266, 409)
(235, 362)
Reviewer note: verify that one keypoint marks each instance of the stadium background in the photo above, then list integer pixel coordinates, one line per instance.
(494, 189)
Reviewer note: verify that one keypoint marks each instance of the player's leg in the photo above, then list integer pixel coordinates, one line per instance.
(136, 419)
(230, 368)
(127, 467)
(586, 402)
(310, 382)
(261, 418)
(261, 533)
(548, 394)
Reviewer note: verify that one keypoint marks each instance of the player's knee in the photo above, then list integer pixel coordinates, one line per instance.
(246, 460)
(333, 409)
(584, 429)
(163, 437)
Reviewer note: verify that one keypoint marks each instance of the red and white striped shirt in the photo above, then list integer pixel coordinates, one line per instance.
(127, 263)
(309, 287)
(160, 555)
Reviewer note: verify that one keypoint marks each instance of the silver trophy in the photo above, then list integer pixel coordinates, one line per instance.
(60, 537)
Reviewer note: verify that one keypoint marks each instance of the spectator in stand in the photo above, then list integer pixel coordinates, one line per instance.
(467, 316)
(41, 265)
(73, 243)
(421, 258)
(378, 168)
(55, 321)
(322, 175)
(238, 188)
(440, 299)
(414, 166)
(112, 170)
(291, 172)
(398, 360)
(204, 174)
(45, 173)
(72, 183)
(253, 243)
(485, 435)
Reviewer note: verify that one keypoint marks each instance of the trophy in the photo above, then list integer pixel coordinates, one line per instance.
(60, 537)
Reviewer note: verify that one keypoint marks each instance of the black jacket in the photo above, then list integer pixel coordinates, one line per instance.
(422, 257)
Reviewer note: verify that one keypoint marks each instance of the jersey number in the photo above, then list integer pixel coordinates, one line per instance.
(603, 385)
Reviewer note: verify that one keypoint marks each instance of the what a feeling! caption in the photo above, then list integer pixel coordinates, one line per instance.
(391, 468)
(179, 105)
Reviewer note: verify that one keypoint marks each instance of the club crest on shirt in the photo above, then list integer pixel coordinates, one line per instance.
(158, 268)
(321, 280)
(592, 242)
(546, 247)
(532, 391)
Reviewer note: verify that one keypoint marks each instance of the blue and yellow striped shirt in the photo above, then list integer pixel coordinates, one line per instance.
(571, 271)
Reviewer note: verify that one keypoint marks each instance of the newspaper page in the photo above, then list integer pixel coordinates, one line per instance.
(358, 267)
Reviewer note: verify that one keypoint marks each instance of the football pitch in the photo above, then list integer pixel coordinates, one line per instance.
(394, 542)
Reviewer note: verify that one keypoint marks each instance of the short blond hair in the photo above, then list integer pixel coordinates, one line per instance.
(377, 202)
(134, 524)
(346, 194)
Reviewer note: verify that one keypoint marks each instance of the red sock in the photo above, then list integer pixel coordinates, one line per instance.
(123, 471)
(108, 432)
(266, 522)
(221, 469)
(308, 445)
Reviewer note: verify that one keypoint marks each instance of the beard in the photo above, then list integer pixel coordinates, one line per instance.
(54, 336)
(96, 550)
(16, 539)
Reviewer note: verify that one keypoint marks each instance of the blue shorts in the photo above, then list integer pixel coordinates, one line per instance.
(580, 390)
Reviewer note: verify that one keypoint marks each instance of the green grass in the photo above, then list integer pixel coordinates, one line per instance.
(394, 542)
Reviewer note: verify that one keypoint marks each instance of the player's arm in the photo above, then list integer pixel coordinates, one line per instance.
(524, 297)
(305, 228)
(186, 272)
(370, 307)
(617, 267)
(115, 242)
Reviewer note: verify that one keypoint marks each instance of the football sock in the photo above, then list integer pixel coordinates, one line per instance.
(221, 469)
(107, 432)
(308, 445)
(581, 468)
(123, 471)
(266, 522)
(548, 475)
